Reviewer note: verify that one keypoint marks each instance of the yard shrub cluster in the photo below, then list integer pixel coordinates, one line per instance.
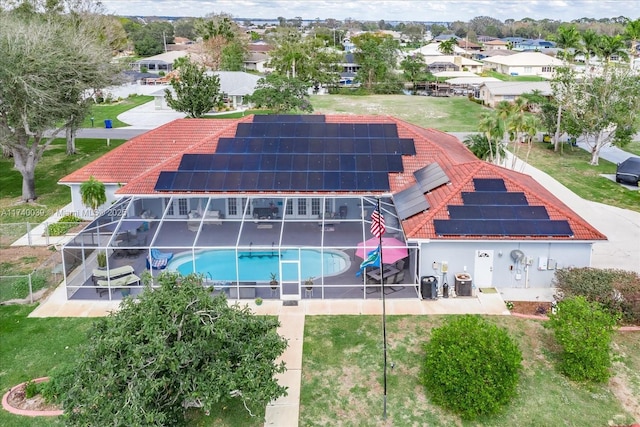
(63, 225)
(584, 331)
(472, 367)
(617, 291)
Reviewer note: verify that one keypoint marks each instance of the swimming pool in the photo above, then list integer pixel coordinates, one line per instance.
(219, 265)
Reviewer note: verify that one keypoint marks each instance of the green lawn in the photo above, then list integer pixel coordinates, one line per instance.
(54, 165)
(572, 169)
(342, 373)
(506, 78)
(456, 114)
(102, 112)
(342, 377)
(633, 147)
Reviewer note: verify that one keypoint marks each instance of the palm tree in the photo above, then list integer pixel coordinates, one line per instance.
(447, 47)
(480, 145)
(93, 193)
(493, 129)
(632, 33)
(590, 40)
(609, 46)
(567, 38)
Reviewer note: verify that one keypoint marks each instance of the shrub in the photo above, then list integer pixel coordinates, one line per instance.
(584, 331)
(471, 367)
(63, 225)
(31, 389)
(618, 291)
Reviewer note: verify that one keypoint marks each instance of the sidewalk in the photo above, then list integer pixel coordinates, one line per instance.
(38, 233)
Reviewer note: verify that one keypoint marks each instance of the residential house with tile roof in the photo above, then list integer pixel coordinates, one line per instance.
(492, 92)
(239, 201)
(524, 64)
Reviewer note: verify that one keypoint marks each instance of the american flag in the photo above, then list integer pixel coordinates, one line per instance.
(377, 223)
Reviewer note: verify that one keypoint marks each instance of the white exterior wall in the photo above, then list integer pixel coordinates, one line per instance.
(459, 254)
(81, 211)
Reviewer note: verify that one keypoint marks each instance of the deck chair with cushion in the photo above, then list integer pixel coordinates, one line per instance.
(157, 254)
(130, 279)
(113, 273)
(157, 263)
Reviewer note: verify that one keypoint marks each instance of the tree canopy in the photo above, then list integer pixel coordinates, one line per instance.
(281, 94)
(47, 67)
(196, 92)
(173, 348)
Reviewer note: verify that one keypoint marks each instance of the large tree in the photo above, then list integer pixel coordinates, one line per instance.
(172, 348)
(224, 43)
(46, 68)
(415, 69)
(282, 94)
(196, 92)
(632, 34)
(604, 106)
(376, 54)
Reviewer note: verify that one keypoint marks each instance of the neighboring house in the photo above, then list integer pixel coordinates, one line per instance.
(535, 44)
(495, 44)
(348, 70)
(469, 46)
(438, 63)
(432, 49)
(257, 61)
(468, 85)
(162, 62)
(267, 190)
(524, 64)
(492, 92)
(234, 86)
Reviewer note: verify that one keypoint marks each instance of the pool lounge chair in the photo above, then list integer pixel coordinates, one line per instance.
(157, 254)
(157, 263)
(104, 285)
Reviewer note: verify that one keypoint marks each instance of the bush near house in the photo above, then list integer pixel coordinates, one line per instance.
(472, 367)
(63, 225)
(617, 291)
(584, 330)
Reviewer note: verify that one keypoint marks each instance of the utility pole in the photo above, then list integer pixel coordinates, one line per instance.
(164, 40)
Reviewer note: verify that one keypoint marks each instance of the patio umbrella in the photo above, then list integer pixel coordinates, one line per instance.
(392, 249)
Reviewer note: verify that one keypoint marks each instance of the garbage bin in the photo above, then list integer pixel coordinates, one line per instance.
(463, 285)
(429, 287)
(108, 124)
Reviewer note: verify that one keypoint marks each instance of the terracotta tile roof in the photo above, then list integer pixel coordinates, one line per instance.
(139, 162)
(144, 152)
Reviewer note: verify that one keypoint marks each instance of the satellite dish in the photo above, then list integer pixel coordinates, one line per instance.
(517, 255)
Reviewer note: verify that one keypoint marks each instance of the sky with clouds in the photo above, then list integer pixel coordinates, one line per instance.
(388, 10)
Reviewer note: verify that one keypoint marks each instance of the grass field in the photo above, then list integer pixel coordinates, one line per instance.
(342, 373)
(456, 114)
(54, 165)
(102, 112)
(342, 377)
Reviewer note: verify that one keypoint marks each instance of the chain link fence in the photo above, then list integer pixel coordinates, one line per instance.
(27, 288)
(34, 234)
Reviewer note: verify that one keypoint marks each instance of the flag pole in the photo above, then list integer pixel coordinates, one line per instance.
(384, 323)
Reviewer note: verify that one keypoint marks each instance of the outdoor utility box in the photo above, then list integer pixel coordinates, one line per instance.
(463, 285)
(429, 287)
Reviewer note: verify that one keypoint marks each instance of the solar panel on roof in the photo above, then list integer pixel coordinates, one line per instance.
(379, 163)
(259, 129)
(489, 184)
(232, 181)
(364, 181)
(316, 145)
(266, 181)
(375, 130)
(531, 212)
(346, 145)
(394, 164)
(203, 162)
(410, 201)
(331, 181)
(363, 163)
(268, 162)
(316, 163)
(188, 162)
(284, 162)
(286, 145)
(165, 181)
(553, 228)
(298, 180)
(331, 162)
(199, 181)
(329, 130)
(236, 162)
(345, 130)
(518, 228)
(348, 180)
(244, 129)
(361, 130)
(381, 180)
(464, 212)
(300, 162)
(390, 130)
(282, 180)
(407, 147)
(379, 146)
(315, 181)
(215, 182)
(249, 181)
(182, 180)
(288, 129)
(454, 227)
(496, 212)
(430, 177)
(485, 227)
(347, 162)
(494, 198)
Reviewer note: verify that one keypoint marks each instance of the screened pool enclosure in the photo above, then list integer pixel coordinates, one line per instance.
(269, 246)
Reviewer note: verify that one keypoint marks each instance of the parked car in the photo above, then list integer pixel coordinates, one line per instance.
(628, 171)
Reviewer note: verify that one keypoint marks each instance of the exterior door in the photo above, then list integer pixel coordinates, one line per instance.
(290, 280)
(483, 269)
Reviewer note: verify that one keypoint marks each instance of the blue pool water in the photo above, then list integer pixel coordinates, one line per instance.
(256, 266)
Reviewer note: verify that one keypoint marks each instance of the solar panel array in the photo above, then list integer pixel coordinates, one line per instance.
(295, 153)
(491, 210)
(410, 202)
(431, 177)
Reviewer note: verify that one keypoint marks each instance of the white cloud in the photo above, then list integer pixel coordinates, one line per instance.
(388, 10)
